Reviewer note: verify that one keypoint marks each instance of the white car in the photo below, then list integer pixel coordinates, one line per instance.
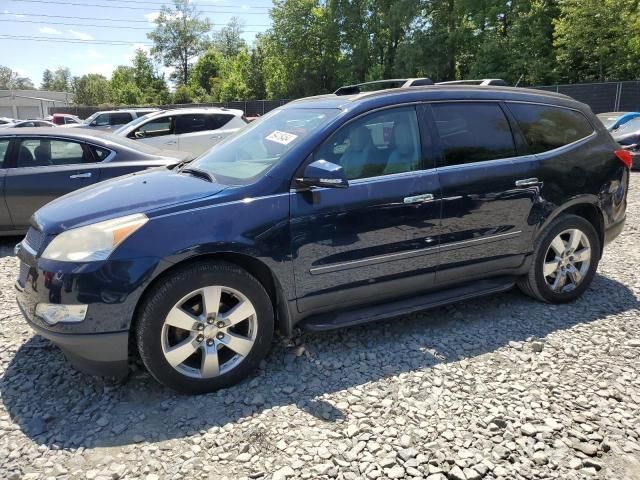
(193, 130)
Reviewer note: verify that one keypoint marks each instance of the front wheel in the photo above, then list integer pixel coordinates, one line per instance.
(205, 327)
(565, 260)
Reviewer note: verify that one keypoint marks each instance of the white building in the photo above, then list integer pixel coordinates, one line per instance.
(25, 104)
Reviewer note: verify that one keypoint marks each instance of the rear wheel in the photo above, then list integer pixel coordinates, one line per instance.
(205, 327)
(565, 260)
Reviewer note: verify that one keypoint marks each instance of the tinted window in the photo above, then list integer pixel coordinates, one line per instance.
(473, 132)
(4, 146)
(154, 128)
(215, 122)
(101, 120)
(381, 143)
(191, 123)
(120, 118)
(44, 152)
(546, 127)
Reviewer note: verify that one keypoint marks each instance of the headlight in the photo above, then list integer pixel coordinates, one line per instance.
(93, 242)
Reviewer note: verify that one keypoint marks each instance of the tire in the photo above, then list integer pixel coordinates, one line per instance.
(535, 284)
(217, 356)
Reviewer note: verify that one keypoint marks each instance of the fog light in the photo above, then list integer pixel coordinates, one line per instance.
(53, 314)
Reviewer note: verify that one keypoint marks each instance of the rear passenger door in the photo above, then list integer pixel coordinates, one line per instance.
(489, 190)
(158, 132)
(43, 169)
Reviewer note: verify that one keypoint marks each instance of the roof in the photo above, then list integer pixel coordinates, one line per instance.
(205, 110)
(75, 133)
(430, 93)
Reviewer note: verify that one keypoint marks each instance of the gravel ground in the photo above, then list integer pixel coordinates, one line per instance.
(501, 387)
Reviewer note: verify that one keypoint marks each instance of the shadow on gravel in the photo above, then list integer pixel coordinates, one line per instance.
(61, 408)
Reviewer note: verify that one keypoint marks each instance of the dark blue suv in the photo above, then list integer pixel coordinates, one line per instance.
(330, 211)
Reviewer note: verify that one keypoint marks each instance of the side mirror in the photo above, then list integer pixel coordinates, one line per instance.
(140, 134)
(323, 174)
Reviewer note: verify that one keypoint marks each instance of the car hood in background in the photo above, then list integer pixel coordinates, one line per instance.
(141, 192)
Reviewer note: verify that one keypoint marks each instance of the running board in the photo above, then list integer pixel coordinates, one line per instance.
(384, 311)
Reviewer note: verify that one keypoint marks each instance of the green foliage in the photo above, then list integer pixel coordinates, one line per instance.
(10, 80)
(91, 89)
(314, 46)
(180, 35)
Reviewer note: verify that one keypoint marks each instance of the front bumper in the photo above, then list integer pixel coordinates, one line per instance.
(110, 290)
(104, 354)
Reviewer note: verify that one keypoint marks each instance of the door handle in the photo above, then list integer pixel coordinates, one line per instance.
(81, 175)
(527, 182)
(426, 197)
(170, 142)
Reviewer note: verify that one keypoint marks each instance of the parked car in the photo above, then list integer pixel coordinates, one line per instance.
(614, 120)
(39, 165)
(112, 119)
(193, 130)
(28, 124)
(328, 212)
(65, 119)
(628, 136)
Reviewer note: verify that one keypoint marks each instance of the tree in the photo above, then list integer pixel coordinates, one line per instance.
(597, 40)
(180, 35)
(91, 89)
(206, 69)
(47, 80)
(61, 81)
(236, 72)
(11, 80)
(228, 41)
(123, 88)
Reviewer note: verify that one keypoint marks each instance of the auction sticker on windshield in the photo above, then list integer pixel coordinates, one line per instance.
(283, 138)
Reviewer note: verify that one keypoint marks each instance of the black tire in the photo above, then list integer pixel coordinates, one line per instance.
(171, 290)
(534, 284)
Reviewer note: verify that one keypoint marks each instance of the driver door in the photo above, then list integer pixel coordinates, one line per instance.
(378, 237)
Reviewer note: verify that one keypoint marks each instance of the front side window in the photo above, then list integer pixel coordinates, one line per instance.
(473, 132)
(380, 143)
(101, 120)
(546, 127)
(191, 123)
(43, 152)
(158, 127)
(243, 157)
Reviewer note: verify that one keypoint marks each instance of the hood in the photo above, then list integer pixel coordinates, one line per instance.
(627, 137)
(141, 192)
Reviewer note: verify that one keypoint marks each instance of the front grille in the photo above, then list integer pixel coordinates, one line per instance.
(34, 239)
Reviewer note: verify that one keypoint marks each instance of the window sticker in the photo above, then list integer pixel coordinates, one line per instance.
(282, 138)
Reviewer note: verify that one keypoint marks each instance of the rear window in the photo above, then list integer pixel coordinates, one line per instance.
(473, 132)
(546, 127)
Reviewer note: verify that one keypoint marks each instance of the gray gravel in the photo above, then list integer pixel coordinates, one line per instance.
(501, 387)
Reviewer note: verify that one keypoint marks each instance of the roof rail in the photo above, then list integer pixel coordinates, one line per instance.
(484, 82)
(395, 82)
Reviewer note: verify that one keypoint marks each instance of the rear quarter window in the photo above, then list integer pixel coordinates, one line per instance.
(546, 127)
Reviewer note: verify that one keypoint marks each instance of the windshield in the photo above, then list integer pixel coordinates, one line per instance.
(628, 127)
(133, 123)
(261, 144)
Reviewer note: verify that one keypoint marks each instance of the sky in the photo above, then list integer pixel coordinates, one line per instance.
(72, 33)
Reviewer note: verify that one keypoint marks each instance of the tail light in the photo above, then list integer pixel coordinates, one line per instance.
(625, 157)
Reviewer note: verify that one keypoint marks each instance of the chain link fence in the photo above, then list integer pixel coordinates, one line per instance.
(601, 97)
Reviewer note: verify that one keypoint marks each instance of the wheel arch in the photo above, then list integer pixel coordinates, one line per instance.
(585, 207)
(252, 265)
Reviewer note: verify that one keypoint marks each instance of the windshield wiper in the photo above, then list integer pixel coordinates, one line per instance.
(196, 172)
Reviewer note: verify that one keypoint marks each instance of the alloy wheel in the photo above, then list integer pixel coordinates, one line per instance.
(209, 332)
(567, 260)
